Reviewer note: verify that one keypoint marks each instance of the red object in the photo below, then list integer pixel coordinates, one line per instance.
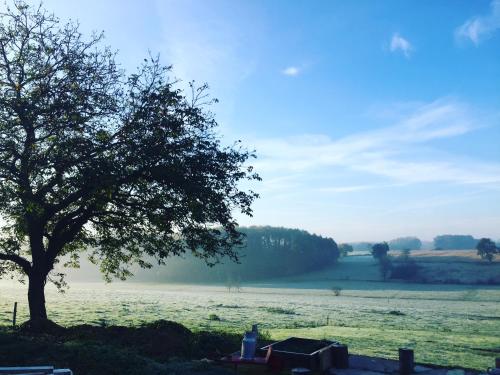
(236, 359)
(273, 363)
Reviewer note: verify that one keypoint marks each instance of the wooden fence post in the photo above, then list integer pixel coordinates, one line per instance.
(14, 315)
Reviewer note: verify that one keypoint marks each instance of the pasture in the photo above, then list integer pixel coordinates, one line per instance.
(453, 325)
(448, 267)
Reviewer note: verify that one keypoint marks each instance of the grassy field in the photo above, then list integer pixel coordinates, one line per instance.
(451, 267)
(449, 255)
(454, 325)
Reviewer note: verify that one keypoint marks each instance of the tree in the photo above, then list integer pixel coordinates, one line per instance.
(345, 249)
(486, 249)
(385, 266)
(127, 166)
(380, 250)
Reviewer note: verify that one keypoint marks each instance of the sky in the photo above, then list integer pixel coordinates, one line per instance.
(370, 120)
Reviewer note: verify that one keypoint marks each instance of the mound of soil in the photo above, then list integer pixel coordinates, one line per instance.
(160, 340)
(46, 326)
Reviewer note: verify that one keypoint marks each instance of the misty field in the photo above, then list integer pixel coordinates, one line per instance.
(445, 324)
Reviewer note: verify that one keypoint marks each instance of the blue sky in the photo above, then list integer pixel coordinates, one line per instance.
(371, 120)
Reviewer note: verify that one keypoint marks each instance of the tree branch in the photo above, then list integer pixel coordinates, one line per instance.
(20, 261)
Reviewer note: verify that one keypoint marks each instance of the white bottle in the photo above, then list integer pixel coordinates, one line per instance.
(248, 345)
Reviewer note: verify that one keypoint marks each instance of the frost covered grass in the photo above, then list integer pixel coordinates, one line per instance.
(446, 324)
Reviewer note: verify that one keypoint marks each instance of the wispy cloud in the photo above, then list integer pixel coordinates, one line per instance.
(400, 152)
(354, 188)
(292, 71)
(479, 28)
(400, 44)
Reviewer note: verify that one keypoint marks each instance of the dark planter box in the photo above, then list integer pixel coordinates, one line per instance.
(315, 355)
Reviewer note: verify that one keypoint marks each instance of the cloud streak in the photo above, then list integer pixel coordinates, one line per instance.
(479, 28)
(400, 152)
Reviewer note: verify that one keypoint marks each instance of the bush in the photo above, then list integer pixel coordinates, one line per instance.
(279, 310)
(405, 267)
(336, 290)
(405, 271)
(396, 312)
(214, 317)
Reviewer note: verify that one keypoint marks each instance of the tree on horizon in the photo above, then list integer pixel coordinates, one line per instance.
(380, 250)
(487, 249)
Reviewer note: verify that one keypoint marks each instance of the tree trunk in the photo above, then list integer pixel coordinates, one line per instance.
(36, 296)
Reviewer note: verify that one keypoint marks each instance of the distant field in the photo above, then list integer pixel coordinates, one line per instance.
(451, 267)
(457, 266)
(446, 324)
(456, 255)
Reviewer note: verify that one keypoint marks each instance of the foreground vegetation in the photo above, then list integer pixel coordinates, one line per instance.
(157, 348)
(453, 325)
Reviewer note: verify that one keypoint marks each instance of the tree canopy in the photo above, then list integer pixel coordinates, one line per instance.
(380, 250)
(345, 249)
(487, 249)
(92, 158)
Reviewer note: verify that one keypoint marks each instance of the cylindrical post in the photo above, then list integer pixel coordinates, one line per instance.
(406, 361)
(14, 315)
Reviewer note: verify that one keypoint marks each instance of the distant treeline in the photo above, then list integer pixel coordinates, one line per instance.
(442, 242)
(455, 242)
(268, 252)
(402, 243)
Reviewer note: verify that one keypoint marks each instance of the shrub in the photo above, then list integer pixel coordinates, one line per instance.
(279, 310)
(396, 312)
(214, 317)
(405, 271)
(336, 290)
